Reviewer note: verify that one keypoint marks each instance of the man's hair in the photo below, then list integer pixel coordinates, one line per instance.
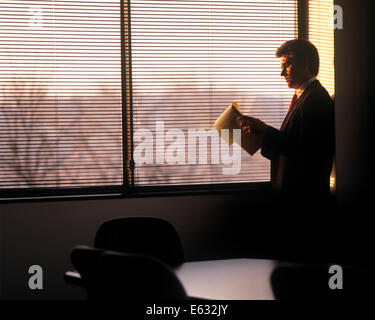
(301, 50)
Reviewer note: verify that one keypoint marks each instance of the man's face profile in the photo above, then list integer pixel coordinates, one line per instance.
(292, 71)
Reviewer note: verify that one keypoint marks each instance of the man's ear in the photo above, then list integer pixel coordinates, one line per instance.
(306, 64)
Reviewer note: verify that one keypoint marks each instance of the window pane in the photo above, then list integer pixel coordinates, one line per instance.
(321, 34)
(60, 94)
(190, 60)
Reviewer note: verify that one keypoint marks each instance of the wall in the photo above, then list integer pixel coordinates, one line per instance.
(354, 65)
(43, 233)
(1, 253)
(354, 106)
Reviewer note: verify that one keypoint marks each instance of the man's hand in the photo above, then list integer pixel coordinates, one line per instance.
(252, 125)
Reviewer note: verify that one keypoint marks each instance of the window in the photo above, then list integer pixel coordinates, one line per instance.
(60, 94)
(321, 34)
(87, 86)
(190, 60)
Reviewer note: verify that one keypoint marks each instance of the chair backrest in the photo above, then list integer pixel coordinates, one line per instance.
(150, 236)
(120, 276)
(83, 258)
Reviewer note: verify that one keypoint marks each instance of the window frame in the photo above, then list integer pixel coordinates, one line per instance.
(128, 189)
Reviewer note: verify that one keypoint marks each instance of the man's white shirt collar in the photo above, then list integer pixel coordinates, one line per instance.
(303, 86)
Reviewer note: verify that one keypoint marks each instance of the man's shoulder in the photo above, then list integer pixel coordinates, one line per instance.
(316, 102)
(316, 93)
(316, 89)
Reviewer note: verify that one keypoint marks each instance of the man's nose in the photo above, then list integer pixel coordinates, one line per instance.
(283, 73)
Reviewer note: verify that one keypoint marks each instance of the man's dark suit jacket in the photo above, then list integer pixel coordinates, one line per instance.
(301, 152)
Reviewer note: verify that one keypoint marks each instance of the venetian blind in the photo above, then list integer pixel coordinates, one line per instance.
(60, 93)
(190, 60)
(321, 34)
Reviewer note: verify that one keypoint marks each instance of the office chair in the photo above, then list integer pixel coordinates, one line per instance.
(82, 258)
(150, 236)
(120, 276)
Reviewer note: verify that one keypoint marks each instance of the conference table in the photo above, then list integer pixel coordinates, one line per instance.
(228, 279)
(232, 279)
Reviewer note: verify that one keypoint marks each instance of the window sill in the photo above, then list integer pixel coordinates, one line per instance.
(138, 192)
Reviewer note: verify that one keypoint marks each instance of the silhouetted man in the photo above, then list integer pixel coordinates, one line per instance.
(301, 155)
(301, 152)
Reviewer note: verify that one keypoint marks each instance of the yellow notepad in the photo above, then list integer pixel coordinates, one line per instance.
(251, 143)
